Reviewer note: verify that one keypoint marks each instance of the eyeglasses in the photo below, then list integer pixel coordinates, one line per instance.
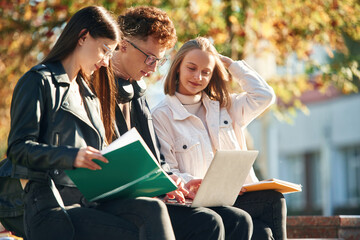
(109, 53)
(150, 59)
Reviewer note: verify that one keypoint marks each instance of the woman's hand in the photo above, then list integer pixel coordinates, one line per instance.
(180, 193)
(226, 60)
(85, 156)
(193, 186)
(242, 191)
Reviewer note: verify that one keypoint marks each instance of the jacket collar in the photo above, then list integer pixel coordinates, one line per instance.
(58, 72)
(213, 115)
(179, 111)
(60, 76)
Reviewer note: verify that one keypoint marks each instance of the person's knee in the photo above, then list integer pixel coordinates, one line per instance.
(209, 224)
(239, 217)
(277, 201)
(274, 196)
(208, 216)
(245, 221)
(238, 223)
(154, 205)
(213, 220)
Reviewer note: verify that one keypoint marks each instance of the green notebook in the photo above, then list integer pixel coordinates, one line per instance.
(132, 172)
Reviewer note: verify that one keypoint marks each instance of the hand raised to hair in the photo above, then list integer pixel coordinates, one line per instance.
(226, 60)
(85, 156)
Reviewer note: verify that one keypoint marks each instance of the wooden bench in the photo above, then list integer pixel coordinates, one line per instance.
(346, 227)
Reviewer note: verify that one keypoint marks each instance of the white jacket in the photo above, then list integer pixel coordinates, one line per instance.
(185, 142)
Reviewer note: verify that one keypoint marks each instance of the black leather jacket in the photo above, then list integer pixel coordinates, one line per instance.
(48, 125)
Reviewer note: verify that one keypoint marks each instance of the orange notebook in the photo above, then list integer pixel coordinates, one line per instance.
(274, 184)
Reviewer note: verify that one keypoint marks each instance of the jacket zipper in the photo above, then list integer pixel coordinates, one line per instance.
(56, 139)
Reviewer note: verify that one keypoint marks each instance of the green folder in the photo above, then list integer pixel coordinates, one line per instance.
(132, 172)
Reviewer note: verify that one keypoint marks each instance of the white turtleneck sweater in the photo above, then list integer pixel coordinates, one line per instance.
(194, 105)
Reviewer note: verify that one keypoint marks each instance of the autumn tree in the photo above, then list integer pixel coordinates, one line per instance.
(238, 28)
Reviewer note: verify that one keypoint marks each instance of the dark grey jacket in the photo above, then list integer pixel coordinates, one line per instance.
(141, 119)
(48, 125)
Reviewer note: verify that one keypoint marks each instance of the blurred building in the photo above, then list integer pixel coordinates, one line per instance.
(321, 151)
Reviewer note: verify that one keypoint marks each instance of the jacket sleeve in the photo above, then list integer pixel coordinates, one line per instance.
(162, 161)
(167, 145)
(155, 141)
(257, 95)
(28, 109)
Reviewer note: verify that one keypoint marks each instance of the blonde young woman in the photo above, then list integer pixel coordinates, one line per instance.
(199, 116)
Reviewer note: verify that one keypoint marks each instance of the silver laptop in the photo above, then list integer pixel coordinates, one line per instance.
(223, 180)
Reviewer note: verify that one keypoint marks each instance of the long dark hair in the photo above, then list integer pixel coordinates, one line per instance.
(98, 22)
(217, 89)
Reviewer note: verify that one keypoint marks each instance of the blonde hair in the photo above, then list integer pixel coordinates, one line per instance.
(217, 89)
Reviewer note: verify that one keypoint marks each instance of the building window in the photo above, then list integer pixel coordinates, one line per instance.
(292, 170)
(303, 169)
(352, 167)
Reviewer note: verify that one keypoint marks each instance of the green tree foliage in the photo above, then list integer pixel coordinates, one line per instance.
(237, 27)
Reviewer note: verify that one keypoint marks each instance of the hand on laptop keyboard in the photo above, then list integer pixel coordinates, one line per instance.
(180, 193)
(192, 186)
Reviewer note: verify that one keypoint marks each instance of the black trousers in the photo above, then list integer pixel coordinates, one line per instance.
(268, 212)
(140, 218)
(210, 223)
